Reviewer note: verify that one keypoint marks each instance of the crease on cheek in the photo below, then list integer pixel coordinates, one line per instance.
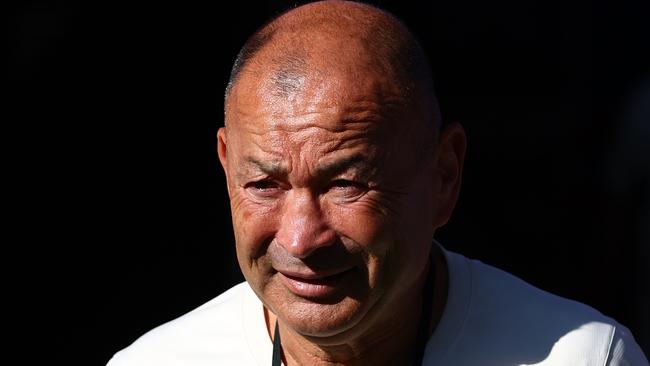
(364, 223)
(382, 214)
(254, 230)
(381, 205)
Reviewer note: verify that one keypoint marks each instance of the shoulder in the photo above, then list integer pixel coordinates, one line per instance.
(212, 332)
(504, 319)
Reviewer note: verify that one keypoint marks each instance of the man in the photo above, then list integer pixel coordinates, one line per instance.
(339, 174)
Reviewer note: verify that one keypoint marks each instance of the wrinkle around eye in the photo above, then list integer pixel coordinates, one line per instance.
(244, 205)
(382, 204)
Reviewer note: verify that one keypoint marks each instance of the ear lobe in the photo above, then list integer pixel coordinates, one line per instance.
(222, 153)
(448, 171)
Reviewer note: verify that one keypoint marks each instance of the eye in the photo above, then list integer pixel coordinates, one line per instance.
(263, 185)
(263, 188)
(348, 188)
(343, 183)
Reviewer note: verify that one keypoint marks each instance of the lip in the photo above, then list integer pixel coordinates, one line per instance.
(313, 285)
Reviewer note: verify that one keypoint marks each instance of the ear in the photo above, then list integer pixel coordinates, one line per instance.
(448, 170)
(222, 152)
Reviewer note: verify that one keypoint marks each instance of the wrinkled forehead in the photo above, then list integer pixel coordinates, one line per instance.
(296, 91)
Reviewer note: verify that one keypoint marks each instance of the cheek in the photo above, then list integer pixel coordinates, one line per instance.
(364, 226)
(254, 226)
(388, 233)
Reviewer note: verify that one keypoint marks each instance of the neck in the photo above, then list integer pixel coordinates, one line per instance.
(391, 341)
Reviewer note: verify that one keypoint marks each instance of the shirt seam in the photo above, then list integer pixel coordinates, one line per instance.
(609, 347)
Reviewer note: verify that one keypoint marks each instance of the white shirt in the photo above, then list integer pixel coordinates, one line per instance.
(491, 319)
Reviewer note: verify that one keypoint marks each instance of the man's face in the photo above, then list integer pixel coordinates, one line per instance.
(332, 211)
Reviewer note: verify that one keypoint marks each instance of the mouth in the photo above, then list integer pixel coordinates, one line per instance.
(314, 285)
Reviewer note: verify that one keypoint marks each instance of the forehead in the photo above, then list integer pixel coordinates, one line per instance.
(334, 98)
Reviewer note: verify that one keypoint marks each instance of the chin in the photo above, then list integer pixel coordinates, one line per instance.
(321, 320)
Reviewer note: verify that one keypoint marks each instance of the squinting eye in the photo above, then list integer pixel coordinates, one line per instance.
(263, 188)
(263, 185)
(342, 183)
(348, 188)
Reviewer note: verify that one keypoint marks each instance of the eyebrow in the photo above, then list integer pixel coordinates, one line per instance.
(267, 167)
(358, 162)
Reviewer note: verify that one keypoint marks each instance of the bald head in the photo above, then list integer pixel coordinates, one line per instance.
(347, 37)
(321, 29)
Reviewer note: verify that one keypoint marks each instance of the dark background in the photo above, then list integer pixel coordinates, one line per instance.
(120, 204)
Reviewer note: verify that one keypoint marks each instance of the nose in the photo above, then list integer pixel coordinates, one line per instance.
(302, 228)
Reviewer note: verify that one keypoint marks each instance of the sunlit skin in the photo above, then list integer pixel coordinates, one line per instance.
(333, 211)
